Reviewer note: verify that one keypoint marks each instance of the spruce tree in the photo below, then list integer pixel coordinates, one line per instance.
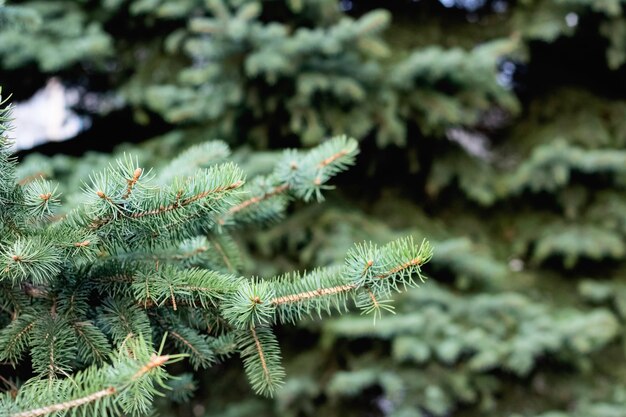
(499, 126)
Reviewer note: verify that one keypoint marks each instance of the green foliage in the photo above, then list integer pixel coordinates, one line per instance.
(58, 34)
(125, 385)
(454, 354)
(124, 264)
(510, 120)
(302, 69)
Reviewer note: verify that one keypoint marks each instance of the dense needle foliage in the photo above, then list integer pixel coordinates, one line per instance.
(136, 259)
(496, 128)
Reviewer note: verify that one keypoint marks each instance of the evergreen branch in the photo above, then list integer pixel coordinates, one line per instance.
(364, 278)
(120, 318)
(178, 204)
(95, 391)
(188, 287)
(401, 268)
(186, 342)
(302, 175)
(53, 346)
(259, 348)
(190, 341)
(181, 388)
(224, 345)
(404, 255)
(96, 282)
(40, 198)
(14, 338)
(67, 405)
(33, 258)
(13, 300)
(7, 161)
(93, 345)
(333, 158)
(261, 356)
(192, 253)
(32, 177)
(245, 307)
(305, 295)
(257, 199)
(157, 215)
(155, 362)
(321, 290)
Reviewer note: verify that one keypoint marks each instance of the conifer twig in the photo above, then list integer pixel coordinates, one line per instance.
(254, 200)
(67, 405)
(320, 292)
(399, 268)
(259, 349)
(179, 204)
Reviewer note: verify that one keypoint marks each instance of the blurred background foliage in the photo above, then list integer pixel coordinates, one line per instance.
(496, 128)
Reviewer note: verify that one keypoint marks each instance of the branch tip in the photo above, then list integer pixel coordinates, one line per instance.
(332, 158)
